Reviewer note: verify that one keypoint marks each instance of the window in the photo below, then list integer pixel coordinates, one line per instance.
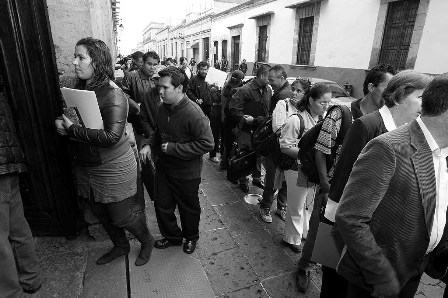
(262, 40)
(398, 31)
(224, 49)
(206, 48)
(304, 40)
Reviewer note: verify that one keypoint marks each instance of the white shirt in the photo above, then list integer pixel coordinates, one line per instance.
(440, 170)
(279, 115)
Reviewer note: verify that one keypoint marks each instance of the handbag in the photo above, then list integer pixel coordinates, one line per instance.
(283, 161)
(264, 138)
(242, 162)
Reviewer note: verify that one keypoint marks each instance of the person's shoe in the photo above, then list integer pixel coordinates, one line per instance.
(294, 247)
(114, 253)
(33, 290)
(281, 212)
(189, 246)
(266, 215)
(165, 243)
(258, 183)
(303, 280)
(244, 187)
(214, 159)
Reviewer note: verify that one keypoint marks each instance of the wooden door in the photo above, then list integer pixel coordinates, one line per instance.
(236, 52)
(28, 69)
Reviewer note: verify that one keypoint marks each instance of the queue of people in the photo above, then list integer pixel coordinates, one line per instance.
(381, 167)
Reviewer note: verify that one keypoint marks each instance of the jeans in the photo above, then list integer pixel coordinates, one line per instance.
(172, 192)
(268, 193)
(19, 265)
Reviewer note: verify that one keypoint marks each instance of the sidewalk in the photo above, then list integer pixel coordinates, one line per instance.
(238, 255)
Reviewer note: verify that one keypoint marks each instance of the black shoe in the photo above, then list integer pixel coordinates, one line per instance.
(244, 187)
(189, 246)
(165, 243)
(33, 290)
(258, 183)
(303, 280)
(114, 253)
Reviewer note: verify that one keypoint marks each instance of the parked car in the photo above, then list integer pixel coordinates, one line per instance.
(339, 95)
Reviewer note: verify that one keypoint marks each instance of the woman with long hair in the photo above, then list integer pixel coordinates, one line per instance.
(106, 168)
(312, 105)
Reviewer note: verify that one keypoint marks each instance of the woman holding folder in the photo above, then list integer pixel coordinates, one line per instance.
(106, 169)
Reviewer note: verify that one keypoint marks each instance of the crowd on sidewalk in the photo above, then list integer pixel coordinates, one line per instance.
(375, 174)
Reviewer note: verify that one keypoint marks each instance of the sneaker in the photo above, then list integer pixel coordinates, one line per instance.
(214, 159)
(266, 215)
(281, 212)
(303, 280)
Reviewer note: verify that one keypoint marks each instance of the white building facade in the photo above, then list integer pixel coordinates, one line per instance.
(337, 40)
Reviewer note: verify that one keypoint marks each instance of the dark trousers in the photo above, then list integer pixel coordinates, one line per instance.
(172, 192)
(268, 193)
(408, 290)
(111, 213)
(215, 125)
(333, 285)
(307, 251)
(228, 136)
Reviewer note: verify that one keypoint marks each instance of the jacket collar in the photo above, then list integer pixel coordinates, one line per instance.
(143, 76)
(254, 84)
(424, 170)
(182, 103)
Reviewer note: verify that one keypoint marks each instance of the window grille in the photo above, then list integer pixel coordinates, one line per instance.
(304, 40)
(262, 40)
(398, 31)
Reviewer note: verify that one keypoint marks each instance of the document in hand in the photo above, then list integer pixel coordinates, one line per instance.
(86, 104)
(215, 76)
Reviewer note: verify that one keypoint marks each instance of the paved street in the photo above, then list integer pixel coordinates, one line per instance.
(237, 256)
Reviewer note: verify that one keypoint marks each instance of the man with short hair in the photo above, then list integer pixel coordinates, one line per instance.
(282, 90)
(375, 83)
(137, 61)
(141, 88)
(182, 136)
(394, 224)
(248, 108)
(243, 66)
(19, 265)
(199, 90)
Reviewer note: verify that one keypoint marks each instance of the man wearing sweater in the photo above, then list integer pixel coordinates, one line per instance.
(182, 136)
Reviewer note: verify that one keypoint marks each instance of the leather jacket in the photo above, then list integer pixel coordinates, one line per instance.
(92, 147)
(11, 155)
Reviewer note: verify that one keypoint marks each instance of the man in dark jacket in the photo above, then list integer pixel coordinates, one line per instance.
(19, 266)
(243, 66)
(199, 90)
(249, 107)
(182, 136)
(282, 90)
(140, 85)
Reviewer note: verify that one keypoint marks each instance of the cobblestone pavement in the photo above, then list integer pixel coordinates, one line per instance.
(240, 255)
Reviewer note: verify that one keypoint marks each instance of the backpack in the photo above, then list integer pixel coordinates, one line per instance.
(264, 139)
(306, 145)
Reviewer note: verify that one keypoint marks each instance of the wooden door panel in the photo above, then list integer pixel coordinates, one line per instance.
(29, 70)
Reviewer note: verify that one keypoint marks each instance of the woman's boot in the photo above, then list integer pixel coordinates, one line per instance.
(136, 224)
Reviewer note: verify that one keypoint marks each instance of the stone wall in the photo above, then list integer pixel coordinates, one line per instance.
(71, 20)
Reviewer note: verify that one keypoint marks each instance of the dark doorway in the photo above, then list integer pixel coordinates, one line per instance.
(262, 41)
(206, 48)
(236, 52)
(215, 53)
(224, 49)
(28, 69)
